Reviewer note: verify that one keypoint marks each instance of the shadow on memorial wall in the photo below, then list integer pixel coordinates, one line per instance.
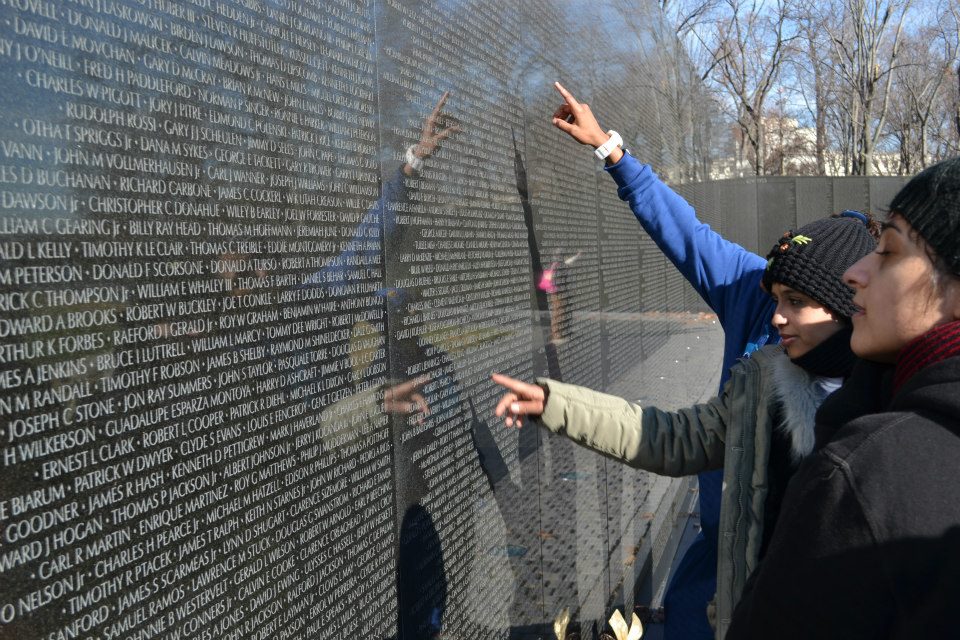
(514, 500)
(546, 283)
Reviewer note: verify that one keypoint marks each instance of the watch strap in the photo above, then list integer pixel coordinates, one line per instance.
(607, 147)
(415, 162)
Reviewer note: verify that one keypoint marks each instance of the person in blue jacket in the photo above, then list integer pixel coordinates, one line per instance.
(727, 277)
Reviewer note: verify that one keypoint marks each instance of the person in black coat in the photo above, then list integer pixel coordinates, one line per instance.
(867, 541)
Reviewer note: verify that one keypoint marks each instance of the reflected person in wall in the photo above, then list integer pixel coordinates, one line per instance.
(360, 413)
(422, 583)
(554, 282)
(760, 427)
(401, 396)
(421, 576)
(727, 277)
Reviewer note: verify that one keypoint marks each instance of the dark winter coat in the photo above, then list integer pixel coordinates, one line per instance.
(867, 541)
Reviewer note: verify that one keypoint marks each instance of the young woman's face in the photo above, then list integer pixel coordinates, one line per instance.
(803, 322)
(897, 293)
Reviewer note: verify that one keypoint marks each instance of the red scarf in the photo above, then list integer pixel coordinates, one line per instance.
(938, 344)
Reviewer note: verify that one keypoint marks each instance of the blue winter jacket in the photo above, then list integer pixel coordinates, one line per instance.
(727, 277)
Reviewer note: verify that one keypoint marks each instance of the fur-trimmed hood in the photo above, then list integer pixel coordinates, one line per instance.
(800, 394)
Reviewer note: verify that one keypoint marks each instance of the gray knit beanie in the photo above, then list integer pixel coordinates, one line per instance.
(812, 260)
(930, 202)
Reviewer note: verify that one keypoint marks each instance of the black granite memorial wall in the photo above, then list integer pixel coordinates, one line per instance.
(257, 261)
(753, 211)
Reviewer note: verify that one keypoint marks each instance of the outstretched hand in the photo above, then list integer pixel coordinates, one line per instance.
(577, 120)
(405, 399)
(436, 128)
(521, 399)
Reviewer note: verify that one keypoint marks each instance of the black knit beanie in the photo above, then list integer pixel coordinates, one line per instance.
(812, 260)
(930, 202)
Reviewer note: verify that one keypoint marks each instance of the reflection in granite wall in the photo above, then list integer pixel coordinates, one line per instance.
(258, 261)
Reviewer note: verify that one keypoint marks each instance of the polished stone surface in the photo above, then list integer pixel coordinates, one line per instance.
(245, 341)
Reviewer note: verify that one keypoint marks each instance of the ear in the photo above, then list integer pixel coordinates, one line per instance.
(951, 298)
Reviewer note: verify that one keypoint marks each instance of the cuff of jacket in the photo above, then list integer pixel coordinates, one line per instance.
(631, 175)
(554, 411)
(570, 407)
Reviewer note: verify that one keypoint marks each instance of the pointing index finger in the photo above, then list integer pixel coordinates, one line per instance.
(567, 95)
(409, 386)
(442, 101)
(514, 385)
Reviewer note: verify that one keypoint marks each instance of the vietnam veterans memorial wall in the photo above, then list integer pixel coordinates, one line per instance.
(257, 261)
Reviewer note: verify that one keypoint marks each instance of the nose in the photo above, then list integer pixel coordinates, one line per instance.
(855, 276)
(778, 319)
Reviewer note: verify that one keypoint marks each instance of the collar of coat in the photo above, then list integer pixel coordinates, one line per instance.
(800, 394)
(938, 344)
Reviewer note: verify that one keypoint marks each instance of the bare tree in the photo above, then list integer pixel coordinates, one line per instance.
(687, 16)
(748, 46)
(813, 77)
(790, 148)
(668, 74)
(919, 79)
(861, 86)
(944, 138)
(949, 25)
(868, 45)
(710, 138)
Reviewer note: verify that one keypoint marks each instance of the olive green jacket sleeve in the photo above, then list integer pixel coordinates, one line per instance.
(670, 443)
